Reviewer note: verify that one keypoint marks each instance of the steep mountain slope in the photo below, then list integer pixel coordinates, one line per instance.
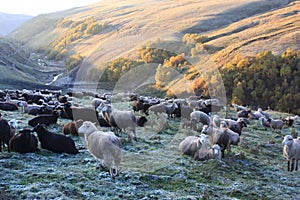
(9, 22)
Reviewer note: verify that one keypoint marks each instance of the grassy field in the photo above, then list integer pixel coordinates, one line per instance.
(153, 167)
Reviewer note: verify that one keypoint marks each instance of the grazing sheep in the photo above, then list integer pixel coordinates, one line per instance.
(72, 127)
(223, 136)
(104, 146)
(254, 116)
(122, 120)
(184, 111)
(199, 116)
(7, 106)
(291, 151)
(163, 108)
(238, 107)
(263, 113)
(237, 126)
(46, 119)
(24, 142)
(243, 113)
(54, 142)
(191, 144)
(75, 113)
(5, 133)
(264, 122)
(275, 124)
(206, 154)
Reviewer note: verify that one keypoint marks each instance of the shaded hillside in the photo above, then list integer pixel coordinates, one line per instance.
(19, 69)
(9, 22)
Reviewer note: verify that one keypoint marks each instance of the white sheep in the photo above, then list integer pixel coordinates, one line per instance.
(104, 146)
(191, 144)
(199, 116)
(122, 120)
(222, 136)
(206, 154)
(291, 151)
(13, 123)
(276, 124)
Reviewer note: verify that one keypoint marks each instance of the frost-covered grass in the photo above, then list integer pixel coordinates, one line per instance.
(153, 168)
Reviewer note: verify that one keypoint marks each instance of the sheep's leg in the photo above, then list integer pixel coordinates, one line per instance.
(293, 163)
(288, 165)
(296, 165)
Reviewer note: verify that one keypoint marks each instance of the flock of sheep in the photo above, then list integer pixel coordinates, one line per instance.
(101, 122)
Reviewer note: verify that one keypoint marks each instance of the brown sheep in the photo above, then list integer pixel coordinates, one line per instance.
(72, 127)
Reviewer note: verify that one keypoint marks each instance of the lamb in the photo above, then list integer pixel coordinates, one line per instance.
(104, 146)
(46, 119)
(119, 119)
(199, 116)
(291, 151)
(276, 124)
(55, 142)
(72, 127)
(191, 144)
(24, 142)
(206, 154)
(224, 137)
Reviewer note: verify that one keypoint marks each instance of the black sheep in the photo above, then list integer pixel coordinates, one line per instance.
(46, 119)
(5, 133)
(35, 98)
(55, 142)
(7, 106)
(140, 121)
(24, 142)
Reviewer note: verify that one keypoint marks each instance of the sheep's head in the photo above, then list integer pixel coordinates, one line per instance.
(287, 140)
(203, 138)
(86, 128)
(242, 121)
(216, 151)
(223, 124)
(39, 127)
(13, 123)
(205, 129)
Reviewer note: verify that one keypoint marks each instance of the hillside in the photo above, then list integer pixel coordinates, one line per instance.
(9, 22)
(21, 69)
(232, 27)
(176, 48)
